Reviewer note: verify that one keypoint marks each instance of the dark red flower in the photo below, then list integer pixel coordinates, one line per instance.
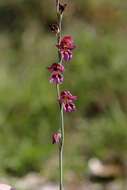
(66, 99)
(56, 73)
(66, 55)
(56, 138)
(56, 67)
(66, 95)
(69, 107)
(56, 78)
(65, 47)
(67, 43)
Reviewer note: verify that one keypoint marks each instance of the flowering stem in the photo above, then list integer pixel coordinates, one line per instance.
(66, 100)
(61, 145)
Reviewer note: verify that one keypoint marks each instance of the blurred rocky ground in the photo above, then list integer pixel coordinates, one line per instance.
(34, 181)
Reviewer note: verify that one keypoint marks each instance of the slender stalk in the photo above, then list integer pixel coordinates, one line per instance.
(61, 150)
(58, 91)
(57, 6)
(61, 145)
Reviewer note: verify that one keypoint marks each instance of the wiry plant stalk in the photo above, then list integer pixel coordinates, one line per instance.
(61, 145)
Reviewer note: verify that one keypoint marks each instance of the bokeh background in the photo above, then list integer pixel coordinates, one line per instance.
(97, 75)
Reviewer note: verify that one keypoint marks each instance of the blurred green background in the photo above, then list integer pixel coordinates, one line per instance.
(97, 75)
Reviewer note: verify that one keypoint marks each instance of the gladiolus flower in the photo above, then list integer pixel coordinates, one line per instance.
(56, 78)
(56, 67)
(66, 55)
(69, 107)
(56, 138)
(66, 99)
(56, 73)
(67, 43)
(65, 47)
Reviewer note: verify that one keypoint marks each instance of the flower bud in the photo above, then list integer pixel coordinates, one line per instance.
(54, 28)
(56, 138)
(62, 8)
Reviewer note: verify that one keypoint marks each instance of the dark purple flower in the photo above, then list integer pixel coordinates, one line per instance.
(65, 47)
(69, 107)
(66, 99)
(56, 67)
(66, 95)
(67, 43)
(56, 138)
(56, 71)
(66, 55)
(56, 78)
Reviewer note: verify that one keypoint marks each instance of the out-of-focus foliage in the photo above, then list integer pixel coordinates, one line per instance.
(97, 74)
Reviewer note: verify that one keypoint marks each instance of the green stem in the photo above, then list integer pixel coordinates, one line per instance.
(61, 149)
(59, 16)
(57, 6)
(61, 145)
(58, 91)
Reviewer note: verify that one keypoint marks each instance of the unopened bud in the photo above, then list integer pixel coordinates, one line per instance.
(62, 8)
(54, 28)
(56, 138)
